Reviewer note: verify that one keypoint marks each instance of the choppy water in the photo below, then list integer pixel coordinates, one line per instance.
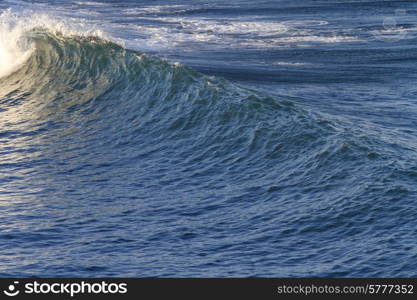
(198, 138)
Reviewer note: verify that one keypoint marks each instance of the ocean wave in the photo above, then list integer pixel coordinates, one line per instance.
(72, 69)
(75, 74)
(93, 131)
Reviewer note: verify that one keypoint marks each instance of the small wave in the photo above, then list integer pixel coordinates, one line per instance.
(156, 9)
(90, 3)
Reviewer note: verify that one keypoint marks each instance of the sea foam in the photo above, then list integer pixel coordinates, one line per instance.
(16, 44)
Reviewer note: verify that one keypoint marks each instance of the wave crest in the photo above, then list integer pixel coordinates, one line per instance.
(16, 39)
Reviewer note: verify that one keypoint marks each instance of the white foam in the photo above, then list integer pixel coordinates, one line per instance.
(91, 3)
(14, 50)
(180, 32)
(16, 45)
(287, 63)
(155, 9)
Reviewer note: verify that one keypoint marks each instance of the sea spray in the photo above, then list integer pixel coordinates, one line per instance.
(16, 29)
(15, 49)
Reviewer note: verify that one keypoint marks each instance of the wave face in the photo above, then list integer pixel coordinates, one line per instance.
(111, 151)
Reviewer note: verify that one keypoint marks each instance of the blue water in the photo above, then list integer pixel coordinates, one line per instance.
(204, 138)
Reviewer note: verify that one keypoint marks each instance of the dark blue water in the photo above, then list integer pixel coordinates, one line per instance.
(203, 138)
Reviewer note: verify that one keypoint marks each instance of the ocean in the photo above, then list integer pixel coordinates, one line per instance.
(208, 138)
